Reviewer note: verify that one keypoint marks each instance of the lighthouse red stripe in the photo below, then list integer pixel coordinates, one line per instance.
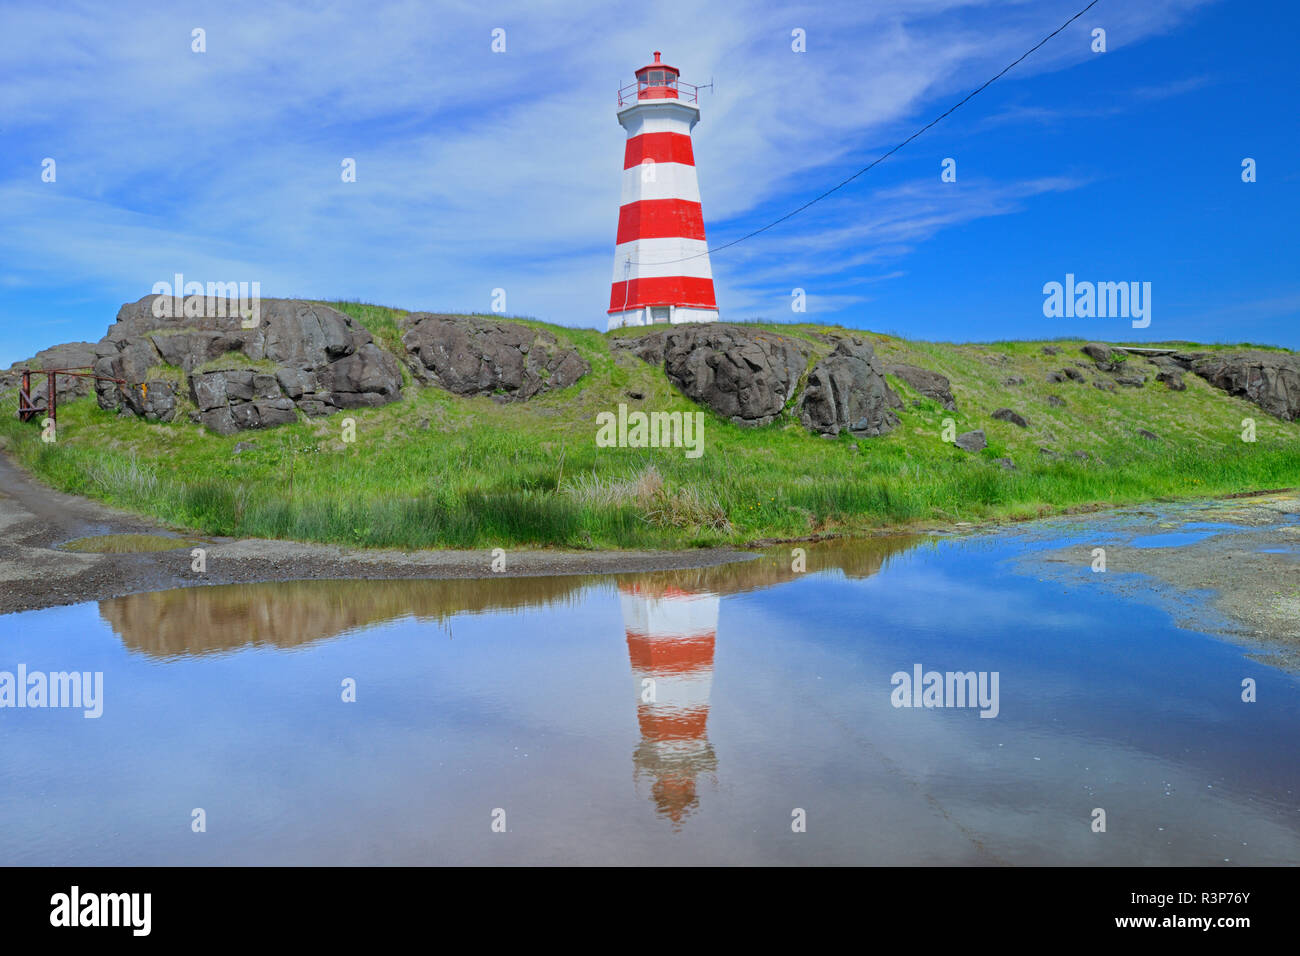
(667, 290)
(660, 219)
(659, 147)
(672, 725)
(670, 655)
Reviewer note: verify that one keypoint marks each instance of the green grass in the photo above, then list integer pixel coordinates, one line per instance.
(434, 470)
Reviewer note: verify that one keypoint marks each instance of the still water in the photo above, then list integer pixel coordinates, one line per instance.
(690, 717)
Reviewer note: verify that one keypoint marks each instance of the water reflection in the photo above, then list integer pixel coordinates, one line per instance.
(670, 623)
(770, 690)
(212, 620)
(670, 638)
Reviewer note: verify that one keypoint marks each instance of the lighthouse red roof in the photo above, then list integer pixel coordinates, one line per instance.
(657, 65)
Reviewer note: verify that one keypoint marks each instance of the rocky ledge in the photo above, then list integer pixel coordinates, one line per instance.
(1270, 380)
(749, 375)
(746, 375)
(466, 355)
(296, 356)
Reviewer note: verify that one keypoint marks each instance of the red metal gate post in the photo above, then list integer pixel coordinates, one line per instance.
(52, 404)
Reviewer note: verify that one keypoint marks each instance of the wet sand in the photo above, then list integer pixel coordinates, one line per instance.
(1227, 567)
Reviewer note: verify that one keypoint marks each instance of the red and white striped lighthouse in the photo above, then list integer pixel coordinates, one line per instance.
(661, 260)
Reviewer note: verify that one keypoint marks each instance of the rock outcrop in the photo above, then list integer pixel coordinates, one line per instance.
(1269, 379)
(297, 355)
(746, 375)
(930, 384)
(466, 355)
(847, 391)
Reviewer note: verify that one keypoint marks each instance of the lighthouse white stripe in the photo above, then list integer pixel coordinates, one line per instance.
(660, 181)
(674, 692)
(661, 258)
(674, 616)
(660, 118)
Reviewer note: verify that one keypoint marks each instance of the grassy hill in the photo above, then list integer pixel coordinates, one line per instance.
(437, 470)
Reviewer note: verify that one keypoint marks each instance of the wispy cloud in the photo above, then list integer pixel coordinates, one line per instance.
(476, 170)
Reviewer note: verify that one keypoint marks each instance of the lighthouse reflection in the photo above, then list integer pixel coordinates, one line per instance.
(670, 642)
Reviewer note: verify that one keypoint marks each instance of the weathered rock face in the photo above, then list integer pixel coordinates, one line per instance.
(322, 362)
(231, 400)
(746, 375)
(847, 391)
(972, 441)
(472, 356)
(1173, 380)
(1269, 379)
(155, 401)
(930, 384)
(1102, 355)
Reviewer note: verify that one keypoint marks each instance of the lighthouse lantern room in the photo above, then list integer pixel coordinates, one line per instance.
(661, 258)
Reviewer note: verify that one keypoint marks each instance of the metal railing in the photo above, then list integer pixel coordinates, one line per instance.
(27, 407)
(636, 92)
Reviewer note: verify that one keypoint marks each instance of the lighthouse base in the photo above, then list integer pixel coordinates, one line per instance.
(661, 315)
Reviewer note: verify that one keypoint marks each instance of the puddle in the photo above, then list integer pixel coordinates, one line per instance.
(126, 544)
(675, 717)
(1175, 539)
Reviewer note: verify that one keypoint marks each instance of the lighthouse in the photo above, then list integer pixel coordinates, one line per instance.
(661, 259)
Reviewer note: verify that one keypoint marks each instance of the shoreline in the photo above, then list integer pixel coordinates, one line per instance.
(36, 573)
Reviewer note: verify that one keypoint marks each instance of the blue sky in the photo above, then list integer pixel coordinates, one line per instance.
(479, 170)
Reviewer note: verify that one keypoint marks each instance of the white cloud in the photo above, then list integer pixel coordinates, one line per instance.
(475, 170)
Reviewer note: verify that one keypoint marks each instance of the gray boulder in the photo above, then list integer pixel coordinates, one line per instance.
(155, 401)
(1172, 380)
(369, 376)
(1007, 415)
(473, 356)
(744, 374)
(1103, 355)
(930, 384)
(972, 441)
(847, 391)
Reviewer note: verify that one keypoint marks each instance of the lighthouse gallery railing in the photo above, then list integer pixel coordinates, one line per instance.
(631, 93)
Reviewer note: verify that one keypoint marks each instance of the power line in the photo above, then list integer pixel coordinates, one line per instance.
(880, 159)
